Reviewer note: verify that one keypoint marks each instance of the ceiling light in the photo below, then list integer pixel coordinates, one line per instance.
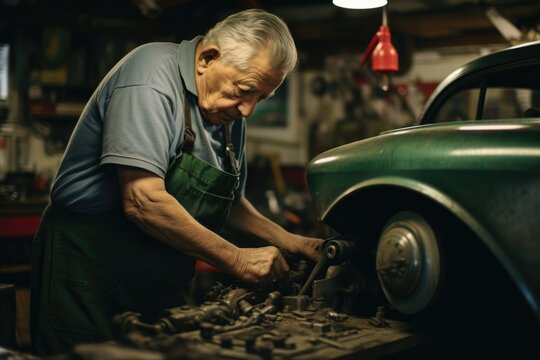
(359, 4)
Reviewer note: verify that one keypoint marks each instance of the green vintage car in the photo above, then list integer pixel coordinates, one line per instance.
(447, 213)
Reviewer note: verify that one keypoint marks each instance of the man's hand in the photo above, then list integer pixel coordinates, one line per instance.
(246, 219)
(260, 266)
(303, 245)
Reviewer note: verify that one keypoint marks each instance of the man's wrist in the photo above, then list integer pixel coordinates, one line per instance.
(226, 256)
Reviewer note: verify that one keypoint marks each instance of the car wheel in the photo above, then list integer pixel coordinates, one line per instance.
(408, 262)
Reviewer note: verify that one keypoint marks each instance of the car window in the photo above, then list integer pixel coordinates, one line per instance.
(461, 106)
(507, 103)
(512, 91)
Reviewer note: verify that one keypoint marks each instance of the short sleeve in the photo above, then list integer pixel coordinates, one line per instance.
(138, 129)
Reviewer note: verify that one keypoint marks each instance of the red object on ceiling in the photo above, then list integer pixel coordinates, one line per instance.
(385, 56)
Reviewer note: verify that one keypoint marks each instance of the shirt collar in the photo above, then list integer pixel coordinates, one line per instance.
(186, 62)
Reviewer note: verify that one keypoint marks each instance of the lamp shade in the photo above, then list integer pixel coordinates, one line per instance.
(385, 56)
(359, 4)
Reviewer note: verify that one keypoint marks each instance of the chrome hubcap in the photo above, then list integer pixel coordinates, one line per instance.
(408, 262)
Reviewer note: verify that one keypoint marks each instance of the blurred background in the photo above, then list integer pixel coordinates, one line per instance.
(54, 53)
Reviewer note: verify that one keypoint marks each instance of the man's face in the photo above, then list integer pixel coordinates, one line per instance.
(226, 93)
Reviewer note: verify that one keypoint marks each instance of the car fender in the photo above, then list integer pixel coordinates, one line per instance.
(453, 206)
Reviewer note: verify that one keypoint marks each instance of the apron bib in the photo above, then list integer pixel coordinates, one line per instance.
(88, 268)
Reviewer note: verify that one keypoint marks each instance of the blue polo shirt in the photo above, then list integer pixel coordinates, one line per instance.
(135, 118)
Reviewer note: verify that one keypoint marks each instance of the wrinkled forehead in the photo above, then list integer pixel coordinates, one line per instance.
(261, 68)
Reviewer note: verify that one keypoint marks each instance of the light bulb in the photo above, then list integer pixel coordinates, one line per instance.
(359, 4)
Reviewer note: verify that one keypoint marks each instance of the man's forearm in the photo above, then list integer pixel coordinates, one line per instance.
(147, 203)
(162, 217)
(246, 219)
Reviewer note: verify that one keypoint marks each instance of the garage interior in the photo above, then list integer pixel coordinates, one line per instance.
(54, 53)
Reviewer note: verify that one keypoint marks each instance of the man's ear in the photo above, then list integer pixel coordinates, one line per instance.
(207, 55)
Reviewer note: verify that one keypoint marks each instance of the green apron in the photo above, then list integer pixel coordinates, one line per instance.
(88, 268)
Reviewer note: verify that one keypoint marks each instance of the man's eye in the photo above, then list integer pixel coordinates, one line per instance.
(242, 92)
(234, 94)
(237, 92)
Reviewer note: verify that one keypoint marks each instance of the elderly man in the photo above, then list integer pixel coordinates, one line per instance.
(154, 167)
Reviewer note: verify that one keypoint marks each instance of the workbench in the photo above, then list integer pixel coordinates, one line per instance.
(19, 220)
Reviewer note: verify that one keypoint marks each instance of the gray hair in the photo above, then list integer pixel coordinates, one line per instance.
(241, 35)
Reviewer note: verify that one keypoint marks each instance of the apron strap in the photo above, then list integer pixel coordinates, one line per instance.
(229, 150)
(189, 135)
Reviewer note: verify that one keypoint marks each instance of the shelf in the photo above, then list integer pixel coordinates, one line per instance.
(56, 110)
(14, 268)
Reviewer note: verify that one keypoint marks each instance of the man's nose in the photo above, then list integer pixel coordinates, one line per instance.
(247, 106)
